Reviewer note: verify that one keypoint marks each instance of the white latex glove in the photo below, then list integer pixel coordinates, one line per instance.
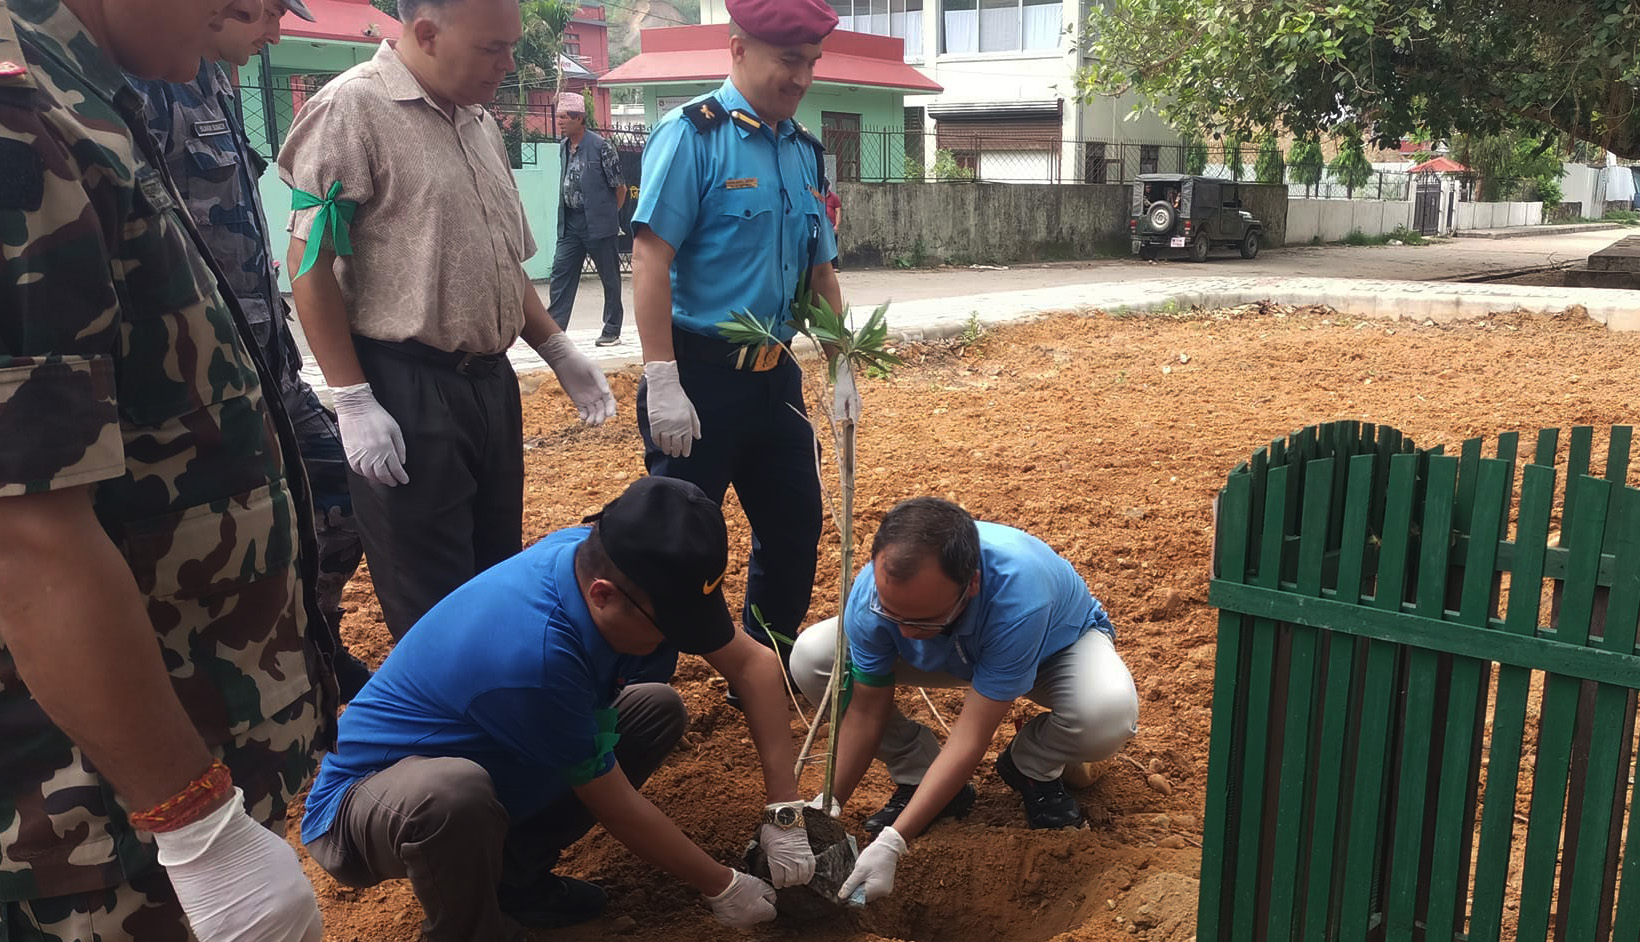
(744, 903)
(580, 377)
(672, 419)
(237, 881)
(372, 440)
(845, 399)
(836, 809)
(791, 860)
(873, 875)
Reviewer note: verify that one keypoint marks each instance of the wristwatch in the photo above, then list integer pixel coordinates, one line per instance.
(785, 815)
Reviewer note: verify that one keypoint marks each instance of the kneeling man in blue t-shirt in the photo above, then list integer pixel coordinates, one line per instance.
(531, 703)
(950, 602)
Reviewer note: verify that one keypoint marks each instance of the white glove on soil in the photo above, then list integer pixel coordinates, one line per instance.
(372, 440)
(237, 881)
(744, 903)
(580, 377)
(791, 860)
(845, 399)
(873, 873)
(673, 423)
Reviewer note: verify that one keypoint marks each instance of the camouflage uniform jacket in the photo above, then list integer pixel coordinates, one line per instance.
(121, 369)
(215, 168)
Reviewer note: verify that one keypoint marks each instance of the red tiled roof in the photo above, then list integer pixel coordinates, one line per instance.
(701, 53)
(344, 20)
(1440, 165)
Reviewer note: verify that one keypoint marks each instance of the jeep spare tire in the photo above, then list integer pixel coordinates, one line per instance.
(1161, 217)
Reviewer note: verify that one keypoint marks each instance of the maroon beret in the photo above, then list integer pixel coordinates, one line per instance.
(784, 22)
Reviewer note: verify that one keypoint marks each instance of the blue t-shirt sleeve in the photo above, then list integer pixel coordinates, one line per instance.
(871, 647)
(669, 196)
(1005, 667)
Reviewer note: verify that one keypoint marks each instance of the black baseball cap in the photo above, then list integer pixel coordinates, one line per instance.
(668, 537)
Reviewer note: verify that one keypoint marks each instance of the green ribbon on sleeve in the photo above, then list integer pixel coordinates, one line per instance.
(334, 216)
(603, 742)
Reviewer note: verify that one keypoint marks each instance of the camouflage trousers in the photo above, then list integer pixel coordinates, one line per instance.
(339, 548)
(271, 763)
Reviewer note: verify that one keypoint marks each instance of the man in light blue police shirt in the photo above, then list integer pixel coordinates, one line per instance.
(731, 218)
(531, 702)
(948, 602)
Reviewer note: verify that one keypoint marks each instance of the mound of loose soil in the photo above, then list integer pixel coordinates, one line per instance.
(1108, 437)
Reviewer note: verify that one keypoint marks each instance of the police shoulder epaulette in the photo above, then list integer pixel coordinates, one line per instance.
(706, 115)
(808, 135)
(745, 120)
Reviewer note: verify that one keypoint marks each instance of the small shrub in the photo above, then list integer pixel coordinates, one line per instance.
(1357, 237)
(1627, 217)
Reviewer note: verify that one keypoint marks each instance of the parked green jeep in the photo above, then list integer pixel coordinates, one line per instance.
(1171, 212)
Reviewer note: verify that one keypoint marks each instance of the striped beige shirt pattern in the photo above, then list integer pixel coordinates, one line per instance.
(439, 238)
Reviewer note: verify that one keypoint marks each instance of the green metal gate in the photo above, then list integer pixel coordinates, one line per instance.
(1387, 616)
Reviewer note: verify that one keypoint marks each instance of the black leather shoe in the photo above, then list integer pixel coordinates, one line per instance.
(958, 807)
(553, 902)
(1047, 804)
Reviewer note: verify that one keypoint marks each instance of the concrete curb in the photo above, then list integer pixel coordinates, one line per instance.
(1523, 232)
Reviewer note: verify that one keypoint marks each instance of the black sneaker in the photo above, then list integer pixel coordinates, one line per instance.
(1047, 804)
(958, 807)
(607, 341)
(553, 902)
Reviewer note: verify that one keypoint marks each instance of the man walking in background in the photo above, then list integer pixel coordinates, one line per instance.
(196, 125)
(589, 217)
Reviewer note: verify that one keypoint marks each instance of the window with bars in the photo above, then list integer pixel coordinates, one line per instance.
(1150, 157)
(915, 128)
(1095, 169)
(1000, 26)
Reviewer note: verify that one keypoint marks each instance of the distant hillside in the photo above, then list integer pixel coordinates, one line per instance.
(630, 16)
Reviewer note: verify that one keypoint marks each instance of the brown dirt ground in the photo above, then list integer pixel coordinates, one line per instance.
(1107, 436)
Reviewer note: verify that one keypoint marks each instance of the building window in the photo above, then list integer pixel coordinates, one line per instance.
(840, 133)
(1000, 26)
(1094, 167)
(572, 46)
(901, 19)
(915, 122)
(1150, 157)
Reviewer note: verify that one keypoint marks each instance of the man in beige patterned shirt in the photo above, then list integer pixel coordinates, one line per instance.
(407, 246)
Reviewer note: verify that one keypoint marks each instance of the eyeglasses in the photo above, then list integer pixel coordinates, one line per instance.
(640, 608)
(876, 608)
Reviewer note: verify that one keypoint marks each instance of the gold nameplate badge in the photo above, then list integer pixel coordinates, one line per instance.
(743, 183)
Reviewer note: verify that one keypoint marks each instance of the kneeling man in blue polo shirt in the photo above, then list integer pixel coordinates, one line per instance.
(531, 703)
(950, 602)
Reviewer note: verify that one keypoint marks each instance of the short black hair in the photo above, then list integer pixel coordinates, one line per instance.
(915, 530)
(592, 562)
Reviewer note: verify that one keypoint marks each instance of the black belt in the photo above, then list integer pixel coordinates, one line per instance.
(687, 345)
(458, 362)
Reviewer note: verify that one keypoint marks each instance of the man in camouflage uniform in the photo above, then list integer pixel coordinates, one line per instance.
(158, 562)
(214, 167)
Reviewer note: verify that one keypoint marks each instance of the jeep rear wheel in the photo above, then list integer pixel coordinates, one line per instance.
(1198, 248)
(1161, 217)
(1249, 244)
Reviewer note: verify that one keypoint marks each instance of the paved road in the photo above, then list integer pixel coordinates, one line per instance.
(1367, 280)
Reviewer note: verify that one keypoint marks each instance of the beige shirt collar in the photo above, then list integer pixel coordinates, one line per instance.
(401, 83)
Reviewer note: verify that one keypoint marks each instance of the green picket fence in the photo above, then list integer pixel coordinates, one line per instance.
(1387, 617)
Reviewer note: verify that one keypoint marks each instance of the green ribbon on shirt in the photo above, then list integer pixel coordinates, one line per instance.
(335, 216)
(604, 742)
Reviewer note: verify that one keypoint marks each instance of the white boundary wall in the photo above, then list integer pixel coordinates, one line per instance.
(1334, 220)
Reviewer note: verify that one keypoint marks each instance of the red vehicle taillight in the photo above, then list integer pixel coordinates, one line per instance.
(1187, 225)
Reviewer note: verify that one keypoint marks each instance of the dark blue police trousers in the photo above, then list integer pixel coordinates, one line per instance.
(755, 435)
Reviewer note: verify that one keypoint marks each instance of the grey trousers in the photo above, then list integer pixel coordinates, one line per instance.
(574, 246)
(437, 822)
(1093, 707)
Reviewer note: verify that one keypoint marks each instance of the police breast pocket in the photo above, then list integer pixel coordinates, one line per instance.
(749, 208)
(213, 173)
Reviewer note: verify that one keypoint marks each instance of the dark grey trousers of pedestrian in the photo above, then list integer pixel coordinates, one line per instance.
(574, 248)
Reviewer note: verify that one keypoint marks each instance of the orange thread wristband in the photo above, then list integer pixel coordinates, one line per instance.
(188, 805)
